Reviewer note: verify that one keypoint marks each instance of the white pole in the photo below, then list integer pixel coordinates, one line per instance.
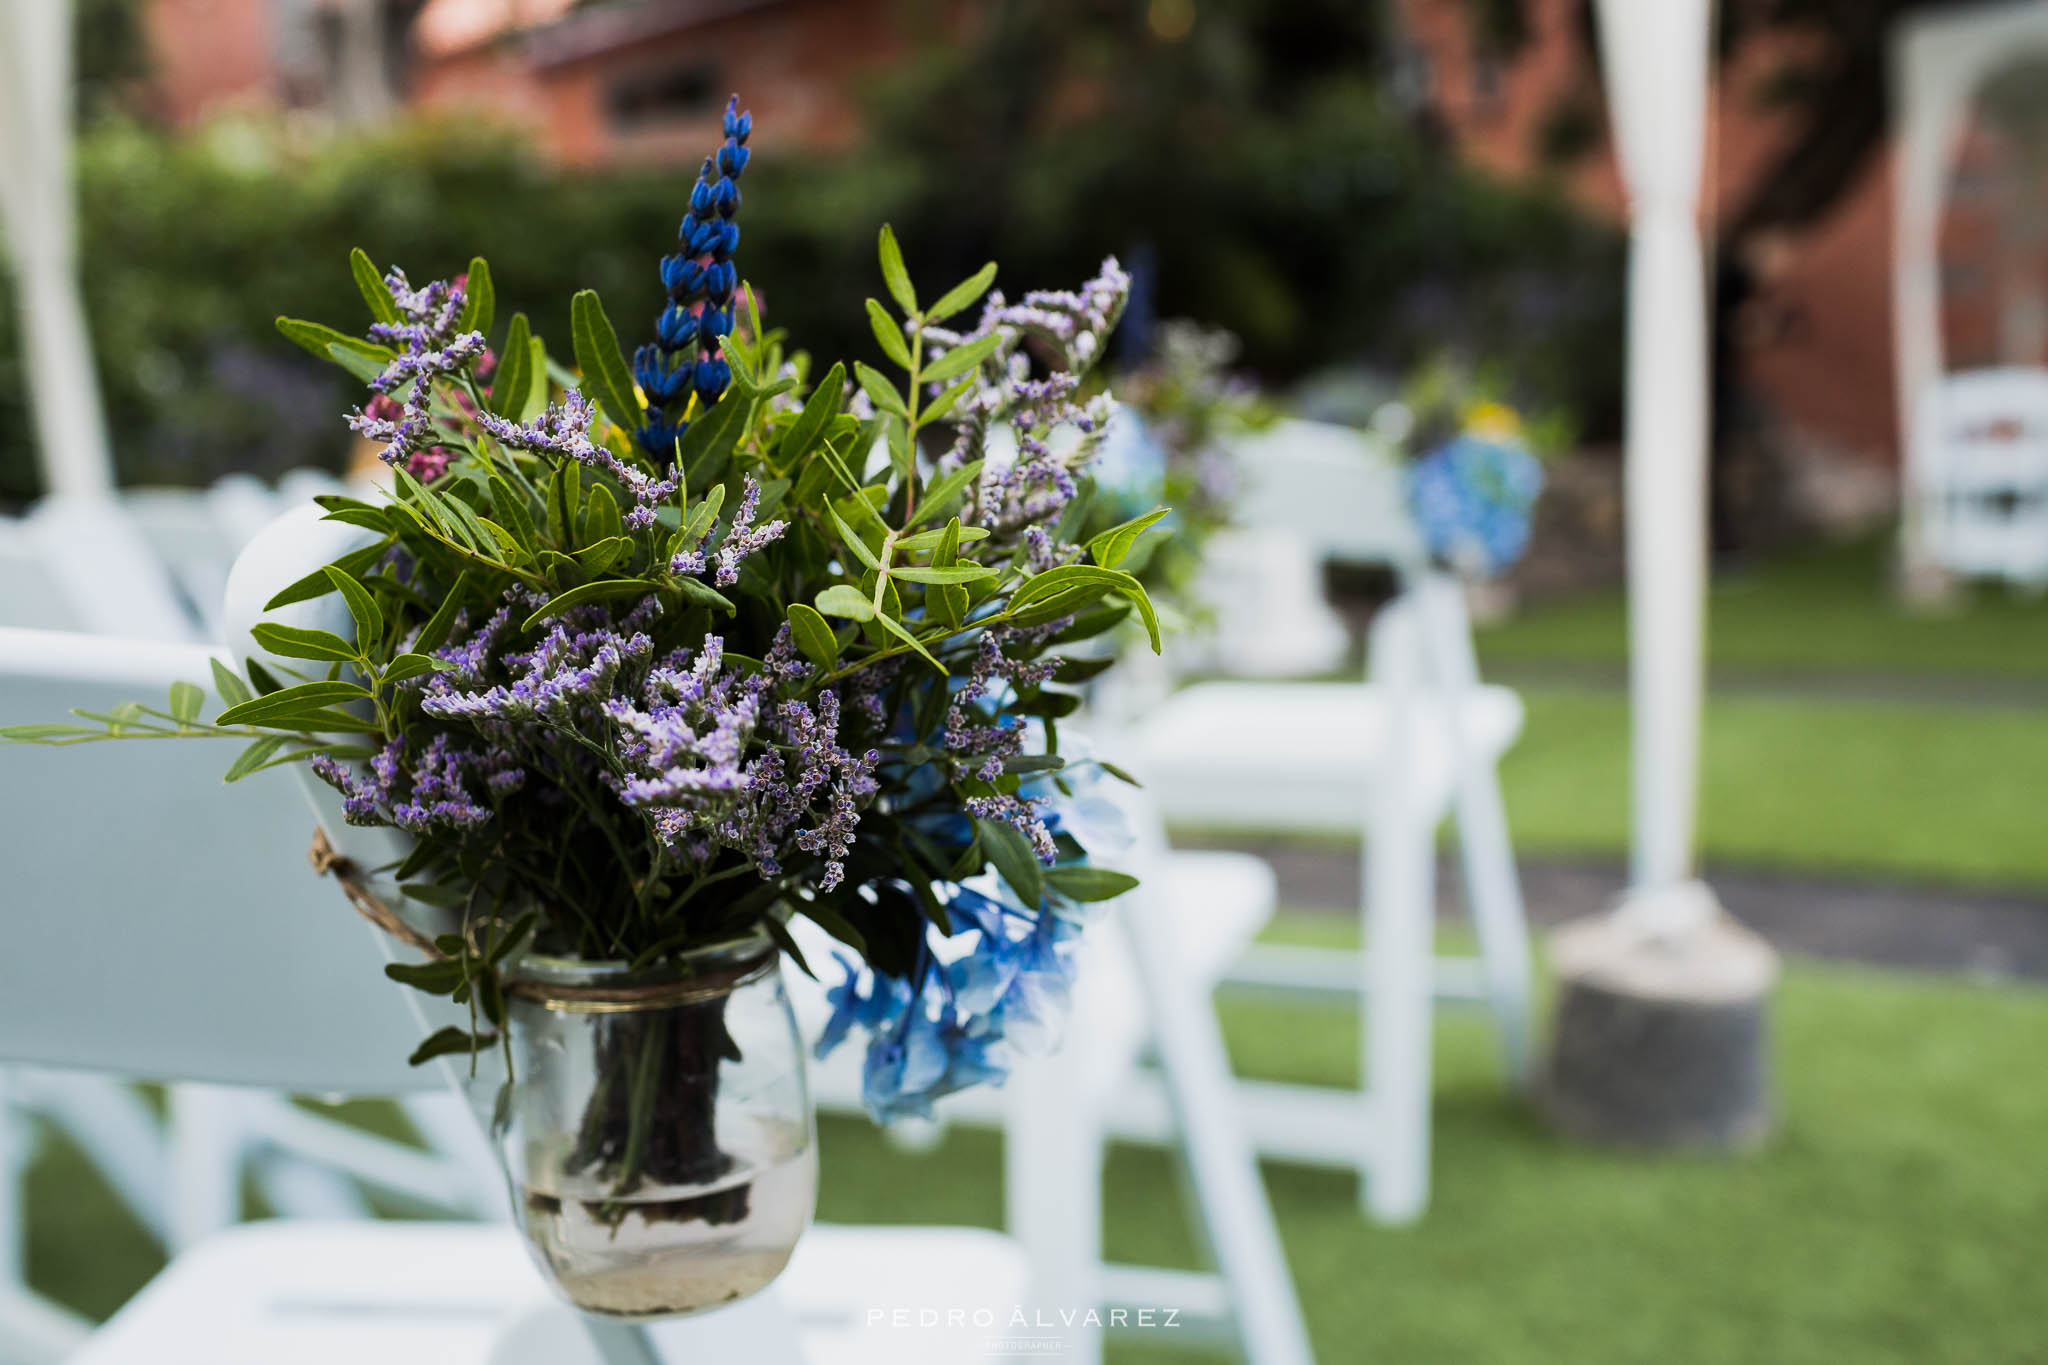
(36, 211)
(1656, 73)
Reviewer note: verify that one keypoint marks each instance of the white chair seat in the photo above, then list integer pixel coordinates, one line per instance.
(312, 1293)
(1301, 756)
(1222, 900)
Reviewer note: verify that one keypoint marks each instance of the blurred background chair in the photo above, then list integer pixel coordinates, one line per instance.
(1392, 759)
(1985, 441)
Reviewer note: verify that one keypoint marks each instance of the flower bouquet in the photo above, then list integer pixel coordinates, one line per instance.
(1476, 475)
(646, 659)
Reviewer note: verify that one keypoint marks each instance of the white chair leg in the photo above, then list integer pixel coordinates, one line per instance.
(1222, 1164)
(620, 1343)
(1052, 1194)
(206, 1163)
(1493, 893)
(1400, 952)
(1399, 963)
(1493, 889)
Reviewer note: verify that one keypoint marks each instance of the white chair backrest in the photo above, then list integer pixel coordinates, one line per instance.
(162, 924)
(84, 564)
(1339, 489)
(1986, 438)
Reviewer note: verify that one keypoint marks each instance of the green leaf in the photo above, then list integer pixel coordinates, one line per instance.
(944, 403)
(565, 501)
(960, 359)
(603, 554)
(893, 273)
(812, 635)
(514, 375)
(930, 540)
(819, 409)
(362, 606)
(318, 584)
(231, 688)
(510, 505)
(409, 666)
(291, 700)
(879, 390)
(375, 292)
(943, 491)
(888, 334)
(704, 595)
(591, 592)
(1109, 548)
(955, 573)
(445, 1041)
(601, 515)
(436, 978)
(1013, 858)
(597, 354)
(1080, 670)
(1074, 579)
(842, 600)
(853, 539)
(1090, 883)
(480, 301)
(435, 633)
(37, 734)
(255, 756)
(537, 386)
(319, 341)
(702, 515)
(902, 632)
(962, 294)
(297, 642)
(186, 699)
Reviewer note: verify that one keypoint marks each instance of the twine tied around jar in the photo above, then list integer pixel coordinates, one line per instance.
(570, 999)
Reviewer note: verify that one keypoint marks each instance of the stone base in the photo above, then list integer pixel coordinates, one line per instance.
(1661, 1038)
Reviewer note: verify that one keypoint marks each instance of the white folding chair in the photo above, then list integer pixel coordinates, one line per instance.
(1389, 758)
(251, 986)
(1150, 965)
(1984, 441)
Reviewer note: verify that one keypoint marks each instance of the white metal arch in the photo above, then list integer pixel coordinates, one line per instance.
(41, 236)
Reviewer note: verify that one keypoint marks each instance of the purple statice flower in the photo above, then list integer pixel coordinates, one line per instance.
(975, 740)
(563, 430)
(742, 538)
(720, 758)
(570, 672)
(683, 361)
(428, 348)
(428, 792)
(1022, 813)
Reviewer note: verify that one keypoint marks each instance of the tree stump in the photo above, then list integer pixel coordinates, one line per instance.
(1661, 1039)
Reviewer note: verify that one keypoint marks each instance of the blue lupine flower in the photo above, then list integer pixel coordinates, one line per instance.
(1472, 497)
(683, 360)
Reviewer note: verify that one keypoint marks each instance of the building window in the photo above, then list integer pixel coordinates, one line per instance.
(669, 94)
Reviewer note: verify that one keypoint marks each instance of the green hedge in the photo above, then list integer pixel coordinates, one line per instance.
(1356, 242)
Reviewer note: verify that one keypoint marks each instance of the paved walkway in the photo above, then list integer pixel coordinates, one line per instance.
(1880, 924)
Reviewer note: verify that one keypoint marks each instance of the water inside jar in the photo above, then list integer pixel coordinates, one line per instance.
(662, 1251)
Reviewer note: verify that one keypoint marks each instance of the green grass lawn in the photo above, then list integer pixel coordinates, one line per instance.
(1923, 793)
(1901, 1216)
(1825, 609)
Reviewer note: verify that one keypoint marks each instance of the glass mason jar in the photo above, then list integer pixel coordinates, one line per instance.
(657, 1132)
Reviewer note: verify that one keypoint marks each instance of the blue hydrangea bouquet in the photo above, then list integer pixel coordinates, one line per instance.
(653, 656)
